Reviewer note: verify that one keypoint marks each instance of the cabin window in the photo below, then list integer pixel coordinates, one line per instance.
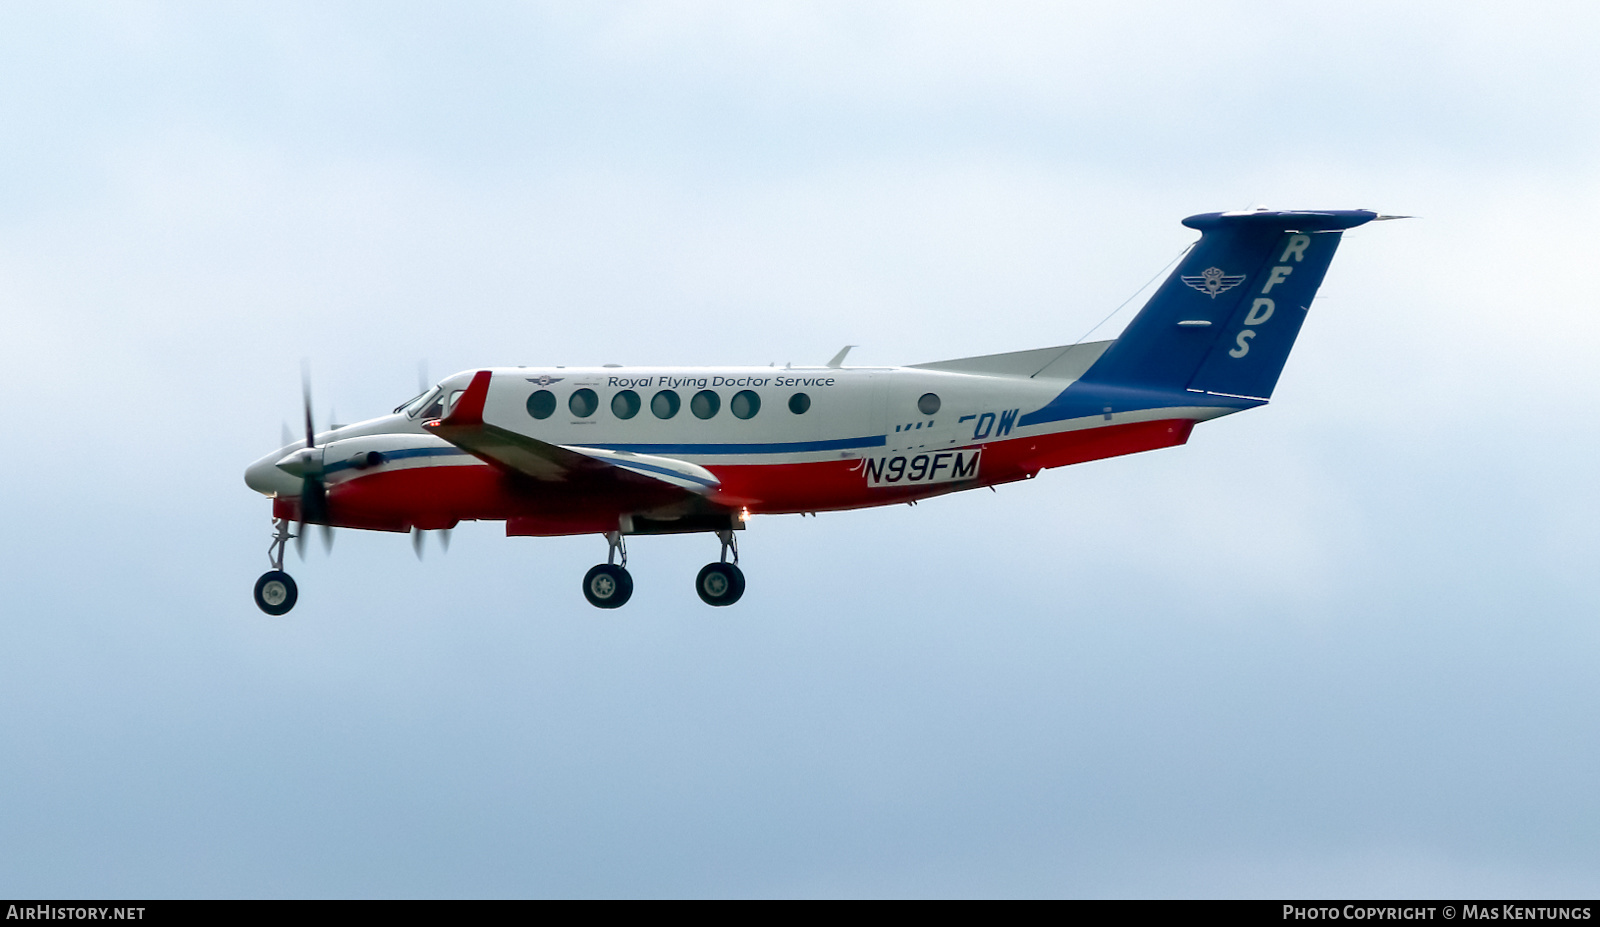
(435, 406)
(705, 404)
(542, 404)
(583, 403)
(625, 404)
(799, 403)
(928, 403)
(745, 404)
(455, 396)
(665, 404)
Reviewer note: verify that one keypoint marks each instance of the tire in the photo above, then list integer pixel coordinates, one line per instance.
(719, 584)
(276, 592)
(607, 586)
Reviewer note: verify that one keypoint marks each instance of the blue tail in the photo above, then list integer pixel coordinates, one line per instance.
(1225, 320)
(1223, 323)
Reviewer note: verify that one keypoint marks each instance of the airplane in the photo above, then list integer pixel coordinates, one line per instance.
(621, 451)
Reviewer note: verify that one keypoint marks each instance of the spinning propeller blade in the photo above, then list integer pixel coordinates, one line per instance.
(305, 396)
(313, 492)
(418, 539)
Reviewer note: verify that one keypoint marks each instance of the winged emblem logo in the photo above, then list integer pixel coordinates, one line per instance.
(1213, 281)
(544, 379)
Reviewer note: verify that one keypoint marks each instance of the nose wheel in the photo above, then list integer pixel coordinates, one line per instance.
(275, 591)
(609, 585)
(721, 583)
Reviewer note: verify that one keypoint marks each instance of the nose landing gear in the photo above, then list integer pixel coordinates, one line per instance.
(275, 591)
(609, 585)
(721, 583)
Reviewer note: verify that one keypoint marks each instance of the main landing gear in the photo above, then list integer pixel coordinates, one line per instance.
(609, 585)
(721, 583)
(275, 590)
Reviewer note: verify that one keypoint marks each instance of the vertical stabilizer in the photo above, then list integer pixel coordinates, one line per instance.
(1225, 319)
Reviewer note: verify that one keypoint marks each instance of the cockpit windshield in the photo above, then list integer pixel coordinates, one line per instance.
(413, 406)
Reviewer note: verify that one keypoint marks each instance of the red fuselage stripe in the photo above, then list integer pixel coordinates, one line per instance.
(439, 496)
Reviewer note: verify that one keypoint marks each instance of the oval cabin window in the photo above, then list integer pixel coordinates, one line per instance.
(665, 404)
(583, 403)
(705, 404)
(625, 404)
(745, 404)
(541, 404)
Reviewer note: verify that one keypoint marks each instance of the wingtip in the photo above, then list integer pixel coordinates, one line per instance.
(469, 408)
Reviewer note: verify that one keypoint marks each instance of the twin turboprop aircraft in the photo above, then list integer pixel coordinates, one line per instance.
(620, 451)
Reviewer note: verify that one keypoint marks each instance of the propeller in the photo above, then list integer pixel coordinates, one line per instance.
(417, 537)
(313, 491)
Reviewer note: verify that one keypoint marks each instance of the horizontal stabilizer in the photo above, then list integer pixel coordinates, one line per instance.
(1062, 362)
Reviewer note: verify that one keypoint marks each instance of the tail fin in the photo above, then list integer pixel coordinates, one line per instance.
(1225, 319)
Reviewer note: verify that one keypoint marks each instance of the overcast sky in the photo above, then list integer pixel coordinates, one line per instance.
(1342, 645)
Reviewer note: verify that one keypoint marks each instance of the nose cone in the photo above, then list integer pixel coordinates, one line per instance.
(266, 478)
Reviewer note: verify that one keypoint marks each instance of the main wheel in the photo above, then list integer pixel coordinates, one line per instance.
(719, 584)
(607, 586)
(276, 592)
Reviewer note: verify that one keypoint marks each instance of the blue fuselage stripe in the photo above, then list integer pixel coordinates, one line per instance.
(400, 454)
(780, 447)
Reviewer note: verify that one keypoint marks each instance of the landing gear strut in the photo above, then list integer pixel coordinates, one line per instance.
(721, 583)
(275, 590)
(609, 585)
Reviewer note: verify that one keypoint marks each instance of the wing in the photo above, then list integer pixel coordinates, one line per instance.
(509, 450)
